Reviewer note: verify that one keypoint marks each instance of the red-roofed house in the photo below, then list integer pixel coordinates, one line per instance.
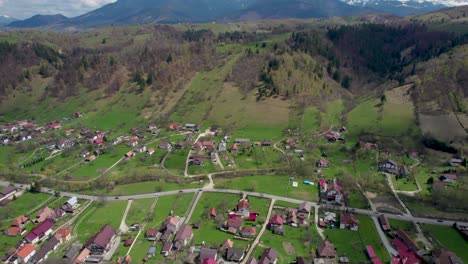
(212, 213)
(82, 256)
(20, 221)
(323, 163)
(183, 237)
(404, 237)
(405, 255)
(275, 220)
(243, 208)
(25, 253)
(384, 223)
(349, 221)
(248, 232)
(14, 231)
(63, 234)
(39, 232)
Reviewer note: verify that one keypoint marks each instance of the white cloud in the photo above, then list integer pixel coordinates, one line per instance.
(26, 8)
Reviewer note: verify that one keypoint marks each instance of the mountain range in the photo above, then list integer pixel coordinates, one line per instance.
(123, 12)
(5, 20)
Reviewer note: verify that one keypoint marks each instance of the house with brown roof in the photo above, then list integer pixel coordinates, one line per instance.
(130, 155)
(151, 234)
(7, 192)
(304, 210)
(212, 213)
(150, 152)
(326, 250)
(226, 245)
(82, 256)
(389, 166)
(26, 253)
(43, 214)
(183, 237)
(349, 221)
(19, 221)
(444, 256)
(323, 163)
(233, 224)
(44, 251)
(243, 208)
(275, 220)
(235, 254)
(269, 256)
(100, 243)
(14, 231)
(291, 217)
(63, 234)
(248, 232)
(90, 158)
(384, 224)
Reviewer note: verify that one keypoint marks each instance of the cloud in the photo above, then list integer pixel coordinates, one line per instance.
(26, 8)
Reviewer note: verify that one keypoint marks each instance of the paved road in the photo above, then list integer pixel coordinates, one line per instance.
(268, 196)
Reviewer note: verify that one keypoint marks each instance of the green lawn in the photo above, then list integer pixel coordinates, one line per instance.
(176, 160)
(139, 211)
(353, 243)
(25, 203)
(311, 120)
(259, 157)
(404, 184)
(398, 120)
(296, 242)
(357, 200)
(270, 184)
(98, 216)
(364, 118)
(178, 204)
(332, 116)
(150, 187)
(449, 238)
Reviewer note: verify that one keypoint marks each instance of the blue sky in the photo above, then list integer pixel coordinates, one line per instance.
(22, 9)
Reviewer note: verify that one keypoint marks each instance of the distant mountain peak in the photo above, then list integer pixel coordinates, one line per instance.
(39, 21)
(406, 7)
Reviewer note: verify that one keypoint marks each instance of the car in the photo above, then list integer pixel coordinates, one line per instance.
(181, 191)
(116, 198)
(440, 221)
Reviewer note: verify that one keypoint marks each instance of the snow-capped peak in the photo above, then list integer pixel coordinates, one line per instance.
(5, 16)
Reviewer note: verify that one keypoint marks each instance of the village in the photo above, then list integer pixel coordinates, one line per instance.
(302, 220)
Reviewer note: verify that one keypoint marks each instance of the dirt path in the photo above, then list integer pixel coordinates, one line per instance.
(218, 161)
(210, 185)
(205, 134)
(192, 208)
(260, 234)
(69, 168)
(316, 220)
(153, 205)
(123, 226)
(30, 156)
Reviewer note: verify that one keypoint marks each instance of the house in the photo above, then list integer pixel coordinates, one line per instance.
(234, 148)
(191, 127)
(171, 224)
(63, 234)
(90, 158)
(372, 256)
(252, 260)
(288, 141)
(226, 245)
(333, 136)
(78, 115)
(455, 162)
(448, 178)
(129, 155)
(128, 242)
(150, 152)
(180, 145)
(323, 163)
(14, 231)
(235, 254)
(209, 145)
(84, 153)
(412, 155)
(151, 234)
(269, 256)
(197, 145)
(248, 232)
(64, 143)
(165, 145)
(100, 243)
(384, 224)
(69, 132)
(266, 143)
(212, 213)
(404, 237)
(405, 255)
(26, 253)
(196, 225)
(233, 224)
(7, 192)
(389, 166)
(304, 210)
(54, 126)
(124, 260)
(183, 237)
(166, 249)
(278, 230)
(275, 221)
(57, 214)
(243, 208)
(326, 250)
(140, 149)
(19, 221)
(151, 252)
(334, 193)
(82, 256)
(43, 253)
(43, 214)
(196, 161)
(207, 253)
(368, 146)
(443, 256)
(37, 233)
(323, 185)
(349, 221)
(242, 141)
(133, 142)
(189, 137)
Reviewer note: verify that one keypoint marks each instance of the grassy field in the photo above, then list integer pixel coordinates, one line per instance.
(296, 242)
(26, 204)
(331, 118)
(97, 216)
(404, 184)
(275, 185)
(364, 118)
(150, 187)
(353, 243)
(139, 211)
(449, 238)
(310, 120)
(208, 232)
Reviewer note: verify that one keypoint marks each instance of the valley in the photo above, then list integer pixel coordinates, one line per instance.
(236, 142)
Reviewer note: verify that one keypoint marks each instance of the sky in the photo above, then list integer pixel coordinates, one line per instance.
(22, 9)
